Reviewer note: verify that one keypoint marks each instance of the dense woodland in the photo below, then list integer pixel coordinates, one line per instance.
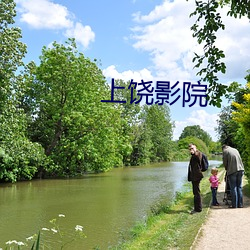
(53, 123)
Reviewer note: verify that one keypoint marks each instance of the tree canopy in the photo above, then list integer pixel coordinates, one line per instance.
(19, 157)
(201, 146)
(196, 131)
(233, 123)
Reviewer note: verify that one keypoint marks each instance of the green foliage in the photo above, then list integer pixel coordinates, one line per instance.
(237, 8)
(215, 147)
(141, 145)
(180, 155)
(207, 24)
(36, 243)
(241, 116)
(148, 129)
(20, 158)
(227, 127)
(196, 131)
(156, 119)
(12, 50)
(52, 120)
(201, 146)
(131, 128)
(233, 123)
(78, 131)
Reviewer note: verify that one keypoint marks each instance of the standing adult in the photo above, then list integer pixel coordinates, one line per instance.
(195, 175)
(235, 169)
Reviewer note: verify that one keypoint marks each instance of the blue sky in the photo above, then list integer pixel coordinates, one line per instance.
(137, 39)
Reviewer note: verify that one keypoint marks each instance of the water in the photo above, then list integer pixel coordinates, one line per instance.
(104, 204)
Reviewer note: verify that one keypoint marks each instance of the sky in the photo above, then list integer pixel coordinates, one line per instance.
(147, 40)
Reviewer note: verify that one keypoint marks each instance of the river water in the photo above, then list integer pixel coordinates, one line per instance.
(104, 204)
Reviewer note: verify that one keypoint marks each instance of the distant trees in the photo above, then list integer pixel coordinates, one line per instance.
(149, 128)
(156, 120)
(227, 127)
(196, 131)
(183, 144)
(195, 134)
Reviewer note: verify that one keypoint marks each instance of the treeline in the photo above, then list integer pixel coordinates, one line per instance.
(52, 120)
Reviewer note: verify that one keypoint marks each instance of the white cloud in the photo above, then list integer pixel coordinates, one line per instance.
(198, 117)
(165, 33)
(112, 72)
(44, 14)
(234, 41)
(159, 12)
(83, 34)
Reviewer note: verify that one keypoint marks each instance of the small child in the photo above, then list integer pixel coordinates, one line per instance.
(214, 185)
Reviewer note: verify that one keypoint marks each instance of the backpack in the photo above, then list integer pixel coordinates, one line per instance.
(204, 163)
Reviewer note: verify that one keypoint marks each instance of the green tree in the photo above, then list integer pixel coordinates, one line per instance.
(78, 131)
(130, 122)
(183, 144)
(20, 158)
(196, 131)
(159, 128)
(142, 145)
(207, 25)
(148, 129)
(240, 115)
(227, 127)
(215, 147)
(12, 50)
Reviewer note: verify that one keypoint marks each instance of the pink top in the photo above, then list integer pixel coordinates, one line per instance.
(214, 181)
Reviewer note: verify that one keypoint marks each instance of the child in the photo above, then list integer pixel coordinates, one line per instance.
(214, 185)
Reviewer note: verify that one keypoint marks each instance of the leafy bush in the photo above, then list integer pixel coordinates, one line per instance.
(20, 160)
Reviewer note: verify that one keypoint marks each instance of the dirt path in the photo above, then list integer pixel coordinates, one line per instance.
(225, 228)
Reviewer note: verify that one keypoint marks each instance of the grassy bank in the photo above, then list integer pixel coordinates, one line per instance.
(172, 226)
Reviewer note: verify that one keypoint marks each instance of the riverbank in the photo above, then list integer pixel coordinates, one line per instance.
(172, 227)
(175, 228)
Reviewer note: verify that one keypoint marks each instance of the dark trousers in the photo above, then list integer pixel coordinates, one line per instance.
(197, 196)
(214, 196)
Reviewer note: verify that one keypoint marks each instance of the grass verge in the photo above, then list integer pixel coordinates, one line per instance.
(170, 226)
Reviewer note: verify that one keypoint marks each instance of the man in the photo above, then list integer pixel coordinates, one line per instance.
(195, 175)
(235, 169)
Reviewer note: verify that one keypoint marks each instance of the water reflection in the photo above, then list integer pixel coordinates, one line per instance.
(105, 204)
